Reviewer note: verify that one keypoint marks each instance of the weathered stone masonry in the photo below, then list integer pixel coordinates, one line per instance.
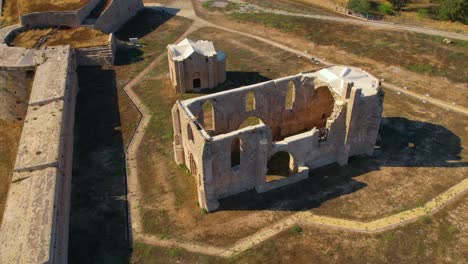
(335, 114)
(35, 222)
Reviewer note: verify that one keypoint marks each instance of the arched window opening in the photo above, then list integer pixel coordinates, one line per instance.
(193, 165)
(189, 132)
(208, 116)
(250, 121)
(281, 165)
(235, 152)
(250, 101)
(290, 95)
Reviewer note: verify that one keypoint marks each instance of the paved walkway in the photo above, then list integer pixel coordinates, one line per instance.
(301, 218)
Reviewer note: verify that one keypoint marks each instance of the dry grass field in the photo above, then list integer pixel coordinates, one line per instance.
(81, 37)
(10, 13)
(441, 238)
(408, 16)
(420, 62)
(398, 178)
(10, 132)
(28, 6)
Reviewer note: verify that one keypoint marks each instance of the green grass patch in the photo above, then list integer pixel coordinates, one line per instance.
(296, 229)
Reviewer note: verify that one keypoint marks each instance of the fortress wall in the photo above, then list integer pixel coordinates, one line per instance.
(36, 219)
(58, 18)
(15, 88)
(96, 56)
(117, 14)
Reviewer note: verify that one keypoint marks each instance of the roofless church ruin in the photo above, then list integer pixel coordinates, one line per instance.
(270, 134)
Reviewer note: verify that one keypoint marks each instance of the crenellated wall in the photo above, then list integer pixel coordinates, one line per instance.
(117, 14)
(329, 120)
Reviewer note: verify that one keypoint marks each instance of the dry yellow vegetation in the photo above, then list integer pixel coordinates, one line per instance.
(10, 13)
(28, 6)
(75, 37)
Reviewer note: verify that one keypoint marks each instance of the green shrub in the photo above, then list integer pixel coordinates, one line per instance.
(423, 12)
(359, 6)
(426, 219)
(207, 4)
(174, 252)
(385, 8)
(453, 10)
(296, 229)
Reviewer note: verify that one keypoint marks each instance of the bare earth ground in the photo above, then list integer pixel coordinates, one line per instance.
(10, 132)
(442, 238)
(406, 59)
(9, 14)
(166, 186)
(82, 37)
(169, 198)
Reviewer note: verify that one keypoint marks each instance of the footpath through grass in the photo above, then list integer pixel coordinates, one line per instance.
(416, 52)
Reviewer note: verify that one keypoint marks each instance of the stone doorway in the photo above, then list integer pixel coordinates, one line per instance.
(196, 83)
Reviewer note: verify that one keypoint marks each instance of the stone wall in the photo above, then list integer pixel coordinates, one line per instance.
(117, 14)
(15, 87)
(36, 219)
(96, 56)
(313, 134)
(58, 18)
(211, 71)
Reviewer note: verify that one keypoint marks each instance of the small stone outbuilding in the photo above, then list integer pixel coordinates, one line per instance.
(195, 65)
(270, 134)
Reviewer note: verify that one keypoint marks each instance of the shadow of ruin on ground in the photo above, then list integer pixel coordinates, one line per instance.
(402, 143)
(139, 26)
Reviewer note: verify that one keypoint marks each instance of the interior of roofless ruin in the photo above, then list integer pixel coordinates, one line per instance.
(272, 134)
(293, 117)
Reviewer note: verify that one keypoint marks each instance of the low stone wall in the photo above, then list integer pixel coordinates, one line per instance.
(36, 219)
(97, 56)
(58, 18)
(117, 14)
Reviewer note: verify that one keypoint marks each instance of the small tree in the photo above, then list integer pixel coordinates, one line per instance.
(385, 8)
(359, 6)
(453, 10)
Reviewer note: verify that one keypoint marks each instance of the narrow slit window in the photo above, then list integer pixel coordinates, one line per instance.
(290, 96)
(235, 152)
(189, 132)
(250, 101)
(208, 116)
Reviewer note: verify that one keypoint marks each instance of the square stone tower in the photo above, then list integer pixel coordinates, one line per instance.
(195, 65)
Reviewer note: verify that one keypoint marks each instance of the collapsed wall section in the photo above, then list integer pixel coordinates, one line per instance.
(35, 222)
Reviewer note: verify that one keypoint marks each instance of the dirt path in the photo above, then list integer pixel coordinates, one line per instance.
(368, 23)
(203, 23)
(301, 218)
(134, 192)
